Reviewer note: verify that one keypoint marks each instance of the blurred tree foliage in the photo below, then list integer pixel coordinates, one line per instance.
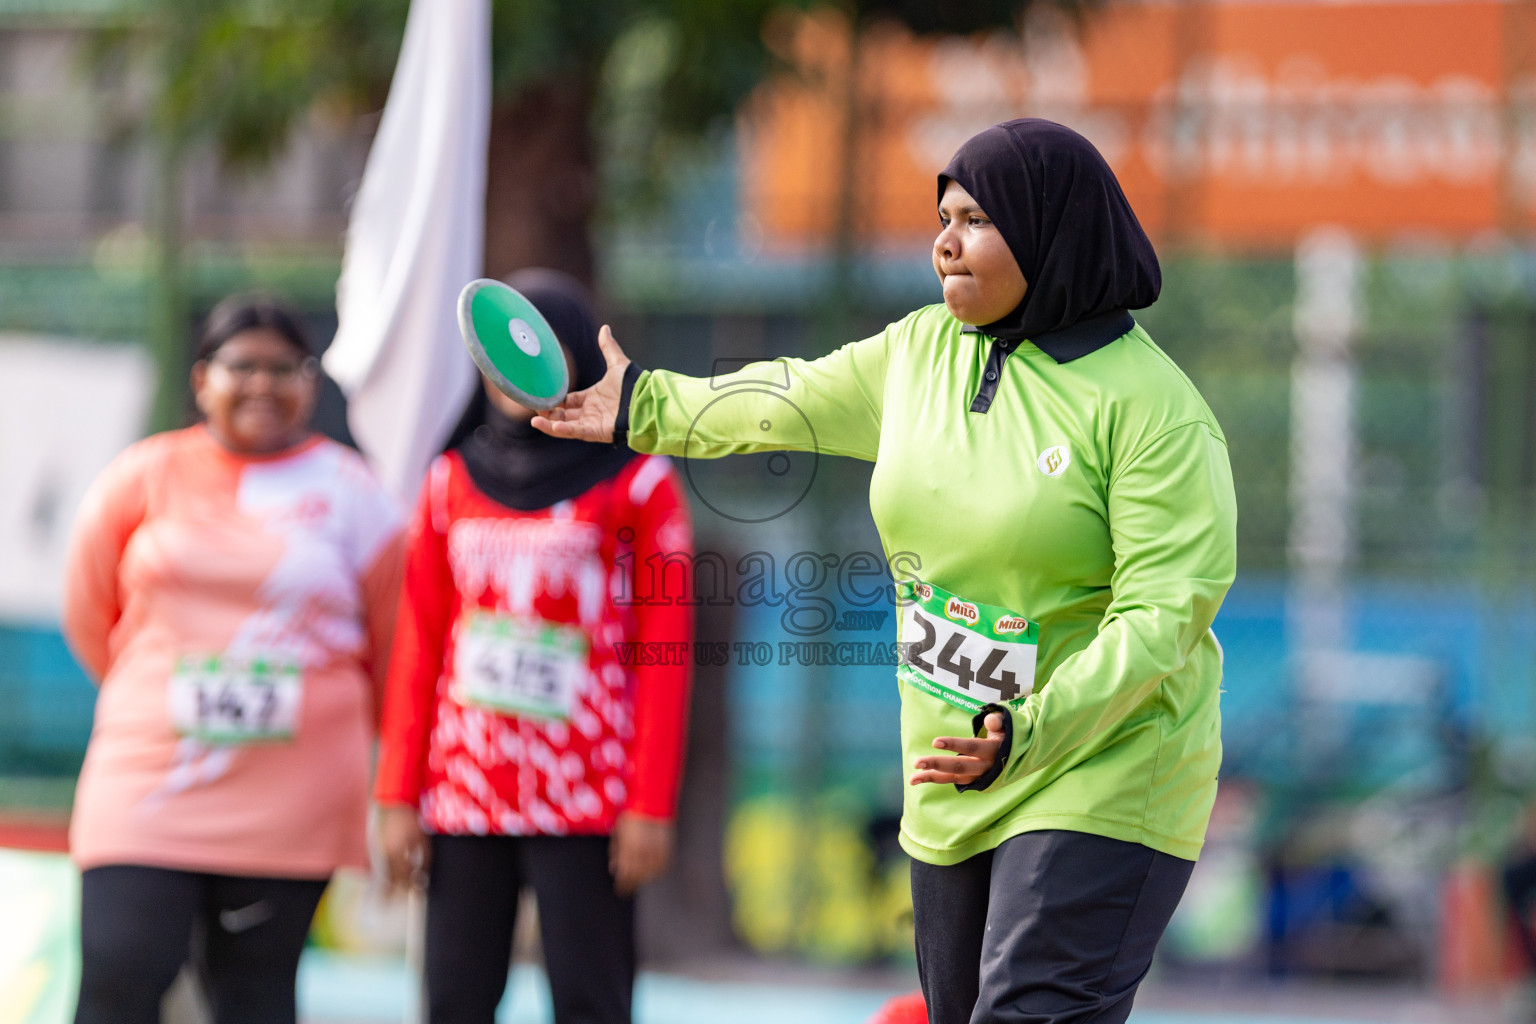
(237, 75)
(598, 104)
(241, 73)
(651, 76)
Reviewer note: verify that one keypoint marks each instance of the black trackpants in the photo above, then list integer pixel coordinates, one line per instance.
(1520, 897)
(139, 925)
(1051, 927)
(587, 929)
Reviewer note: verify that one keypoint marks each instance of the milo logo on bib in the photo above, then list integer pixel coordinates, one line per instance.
(961, 611)
(965, 653)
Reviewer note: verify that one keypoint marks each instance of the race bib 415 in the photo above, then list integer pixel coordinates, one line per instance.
(519, 666)
(963, 652)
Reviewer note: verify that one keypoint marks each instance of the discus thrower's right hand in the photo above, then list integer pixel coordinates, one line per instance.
(589, 415)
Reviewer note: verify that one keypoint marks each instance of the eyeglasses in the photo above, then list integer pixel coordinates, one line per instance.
(244, 370)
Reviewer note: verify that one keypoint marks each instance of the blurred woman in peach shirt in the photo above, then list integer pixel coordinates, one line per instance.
(232, 588)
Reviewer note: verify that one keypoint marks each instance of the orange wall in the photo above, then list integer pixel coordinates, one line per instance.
(1237, 123)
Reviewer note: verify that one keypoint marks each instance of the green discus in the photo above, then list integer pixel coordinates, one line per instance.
(512, 344)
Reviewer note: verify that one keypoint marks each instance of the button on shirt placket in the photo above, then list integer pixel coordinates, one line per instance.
(1001, 350)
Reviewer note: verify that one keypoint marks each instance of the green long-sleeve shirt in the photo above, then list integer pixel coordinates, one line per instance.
(1093, 498)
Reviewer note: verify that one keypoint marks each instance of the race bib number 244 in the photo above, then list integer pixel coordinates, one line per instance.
(962, 652)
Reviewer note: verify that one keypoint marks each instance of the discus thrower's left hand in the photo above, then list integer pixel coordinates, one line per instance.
(972, 756)
(589, 415)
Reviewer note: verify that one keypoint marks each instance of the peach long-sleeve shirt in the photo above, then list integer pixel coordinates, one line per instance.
(184, 548)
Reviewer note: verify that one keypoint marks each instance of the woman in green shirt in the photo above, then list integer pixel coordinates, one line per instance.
(1065, 500)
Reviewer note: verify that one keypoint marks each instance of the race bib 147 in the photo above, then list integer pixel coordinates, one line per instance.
(963, 652)
(218, 699)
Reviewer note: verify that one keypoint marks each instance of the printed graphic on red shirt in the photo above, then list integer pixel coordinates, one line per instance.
(509, 711)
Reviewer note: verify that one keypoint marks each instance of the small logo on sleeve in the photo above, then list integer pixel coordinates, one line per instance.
(1054, 460)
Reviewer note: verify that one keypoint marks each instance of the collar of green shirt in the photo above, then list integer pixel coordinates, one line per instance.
(1065, 345)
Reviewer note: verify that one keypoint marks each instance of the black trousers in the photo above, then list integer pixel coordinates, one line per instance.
(1051, 927)
(588, 930)
(139, 925)
(1520, 896)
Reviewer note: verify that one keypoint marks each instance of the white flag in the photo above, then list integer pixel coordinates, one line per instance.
(416, 238)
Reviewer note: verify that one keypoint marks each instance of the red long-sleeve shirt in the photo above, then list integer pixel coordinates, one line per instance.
(473, 567)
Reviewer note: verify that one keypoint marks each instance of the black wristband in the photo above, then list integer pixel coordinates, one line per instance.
(979, 724)
(632, 373)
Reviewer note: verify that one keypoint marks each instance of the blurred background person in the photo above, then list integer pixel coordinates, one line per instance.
(232, 587)
(532, 735)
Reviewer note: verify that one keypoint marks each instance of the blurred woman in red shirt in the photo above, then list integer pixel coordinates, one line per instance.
(523, 742)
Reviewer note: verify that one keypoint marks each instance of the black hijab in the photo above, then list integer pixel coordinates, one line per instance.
(509, 460)
(1083, 254)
